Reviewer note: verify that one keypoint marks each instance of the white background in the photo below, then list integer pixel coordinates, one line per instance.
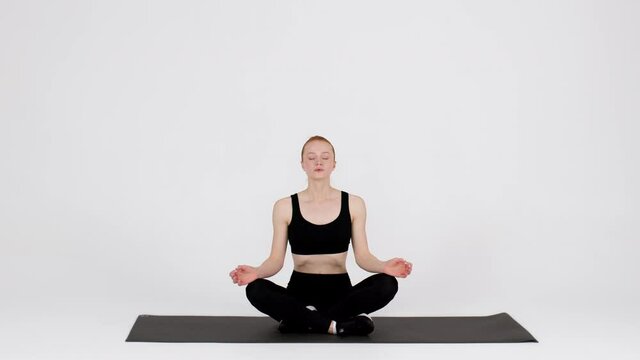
(143, 144)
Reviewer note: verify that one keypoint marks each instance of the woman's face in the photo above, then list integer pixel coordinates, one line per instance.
(318, 159)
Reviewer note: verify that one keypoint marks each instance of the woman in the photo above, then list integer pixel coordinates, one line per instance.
(319, 297)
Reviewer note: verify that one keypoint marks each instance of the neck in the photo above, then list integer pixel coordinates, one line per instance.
(319, 190)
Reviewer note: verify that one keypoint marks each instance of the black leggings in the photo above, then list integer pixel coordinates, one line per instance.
(331, 294)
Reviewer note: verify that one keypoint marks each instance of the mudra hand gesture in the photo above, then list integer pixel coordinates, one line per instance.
(397, 267)
(243, 274)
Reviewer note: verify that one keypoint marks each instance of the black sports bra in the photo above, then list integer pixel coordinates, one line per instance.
(310, 239)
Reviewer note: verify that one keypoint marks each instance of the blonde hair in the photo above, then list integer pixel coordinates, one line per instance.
(321, 138)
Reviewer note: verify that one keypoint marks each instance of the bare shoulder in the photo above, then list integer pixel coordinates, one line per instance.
(356, 206)
(282, 210)
(355, 199)
(283, 202)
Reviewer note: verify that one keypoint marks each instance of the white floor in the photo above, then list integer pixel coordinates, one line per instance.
(97, 331)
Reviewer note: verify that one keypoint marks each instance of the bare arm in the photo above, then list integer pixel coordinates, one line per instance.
(274, 262)
(364, 258)
(244, 274)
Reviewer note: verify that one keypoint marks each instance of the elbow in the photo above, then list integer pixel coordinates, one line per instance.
(361, 261)
(357, 258)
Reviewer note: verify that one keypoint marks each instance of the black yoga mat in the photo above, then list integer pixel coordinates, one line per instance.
(499, 328)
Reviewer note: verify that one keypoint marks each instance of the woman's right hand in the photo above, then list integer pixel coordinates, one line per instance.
(243, 274)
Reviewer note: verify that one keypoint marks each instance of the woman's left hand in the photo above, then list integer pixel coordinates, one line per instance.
(397, 267)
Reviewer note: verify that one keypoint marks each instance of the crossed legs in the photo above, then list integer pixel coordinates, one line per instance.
(283, 304)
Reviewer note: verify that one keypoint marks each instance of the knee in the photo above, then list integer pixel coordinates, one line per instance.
(388, 285)
(254, 290)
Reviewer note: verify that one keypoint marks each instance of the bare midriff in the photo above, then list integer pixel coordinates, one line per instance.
(321, 264)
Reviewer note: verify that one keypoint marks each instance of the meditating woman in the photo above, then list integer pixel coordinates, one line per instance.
(319, 297)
